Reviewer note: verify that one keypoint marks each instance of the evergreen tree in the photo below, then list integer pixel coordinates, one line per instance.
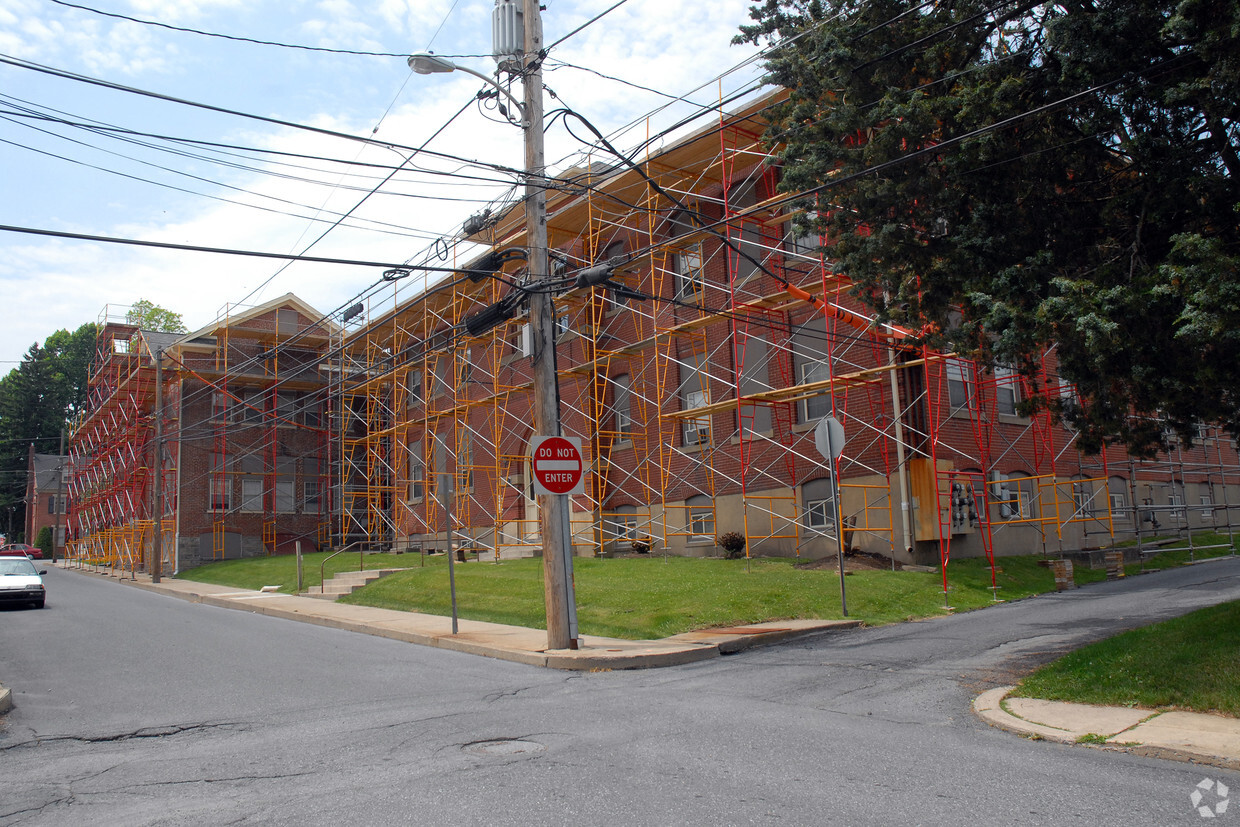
(1023, 175)
(37, 400)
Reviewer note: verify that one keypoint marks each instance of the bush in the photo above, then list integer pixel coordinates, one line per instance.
(733, 542)
(44, 542)
(641, 546)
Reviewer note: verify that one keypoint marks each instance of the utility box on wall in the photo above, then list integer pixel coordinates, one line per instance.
(931, 496)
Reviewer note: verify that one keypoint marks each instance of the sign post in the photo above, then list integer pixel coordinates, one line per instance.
(558, 470)
(829, 440)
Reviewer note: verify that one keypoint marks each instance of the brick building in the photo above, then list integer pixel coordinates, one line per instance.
(696, 378)
(244, 466)
(46, 498)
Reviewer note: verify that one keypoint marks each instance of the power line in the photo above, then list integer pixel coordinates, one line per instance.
(48, 70)
(386, 265)
(187, 30)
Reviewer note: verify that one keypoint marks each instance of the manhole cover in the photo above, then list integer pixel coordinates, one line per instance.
(505, 746)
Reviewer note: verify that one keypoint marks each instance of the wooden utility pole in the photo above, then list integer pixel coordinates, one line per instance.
(554, 510)
(157, 545)
(61, 502)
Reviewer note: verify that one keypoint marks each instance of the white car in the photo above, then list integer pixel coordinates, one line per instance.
(21, 582)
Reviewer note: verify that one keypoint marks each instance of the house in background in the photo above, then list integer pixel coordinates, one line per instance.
(47, 488)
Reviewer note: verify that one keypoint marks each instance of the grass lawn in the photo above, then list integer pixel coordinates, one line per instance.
(1189, 662)
(653, 597)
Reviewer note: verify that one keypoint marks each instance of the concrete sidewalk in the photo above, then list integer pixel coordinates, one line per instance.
(493, 640)
(1184, 736)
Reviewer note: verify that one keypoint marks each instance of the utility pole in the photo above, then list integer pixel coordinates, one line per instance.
(554, 513)
(157, 545)
(60, 497)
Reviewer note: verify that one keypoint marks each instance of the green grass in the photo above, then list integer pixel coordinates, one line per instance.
(1179, 554)
(281, 570)
(1189, 662)
(654, 597)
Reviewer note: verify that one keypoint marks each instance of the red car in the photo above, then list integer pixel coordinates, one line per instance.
(33, 552)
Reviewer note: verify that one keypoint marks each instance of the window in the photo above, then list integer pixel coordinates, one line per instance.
(622, 405)
(417, 478)
(251, 494)
(701, 517)
(286, 409)
(1082, 500)
(465, 460)
(1119, 505)
(808, 244)
(221, 403)
(310, 411)
(415, 388)
(818, 514)
(1016, 497)
(1207, 507)
(746, 248)
(311, 497)
(1176, 500)
(815, 407)
(818, 504)
(753, 362)
(690, 275)
(1007, 390)
(697, 429)
(694, 393)
(285, 495)
(622, 525)
(221, 488)
(467, 371)
(563, 325)
(443, 376)
(959, 383)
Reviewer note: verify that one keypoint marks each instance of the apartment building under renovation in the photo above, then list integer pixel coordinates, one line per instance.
(695, 376)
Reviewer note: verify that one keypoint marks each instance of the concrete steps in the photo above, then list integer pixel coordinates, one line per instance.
(348, 582)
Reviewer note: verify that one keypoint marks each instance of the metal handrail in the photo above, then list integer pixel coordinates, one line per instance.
(361, 561)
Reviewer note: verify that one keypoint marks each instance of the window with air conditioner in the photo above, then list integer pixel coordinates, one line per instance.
(697, 429)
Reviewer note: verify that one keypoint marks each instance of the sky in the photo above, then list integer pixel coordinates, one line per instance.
(88, 159)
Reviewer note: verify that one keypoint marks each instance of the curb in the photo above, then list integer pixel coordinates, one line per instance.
(989, 707)
(504, 643)
(6, 699)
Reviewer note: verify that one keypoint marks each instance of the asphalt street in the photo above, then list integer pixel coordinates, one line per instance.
(135, 708)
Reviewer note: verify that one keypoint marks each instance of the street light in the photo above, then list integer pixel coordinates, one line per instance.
(555, 510)
(429, 63)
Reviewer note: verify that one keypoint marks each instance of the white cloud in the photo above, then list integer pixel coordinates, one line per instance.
(666, 44)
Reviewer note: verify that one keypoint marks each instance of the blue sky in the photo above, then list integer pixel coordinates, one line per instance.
(70, 179)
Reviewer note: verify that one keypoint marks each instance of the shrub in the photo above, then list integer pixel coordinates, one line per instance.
(44, 541)
(732, 542)
(641, 546)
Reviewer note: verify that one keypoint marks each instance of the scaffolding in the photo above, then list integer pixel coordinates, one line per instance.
(695, 377)
(112, 516)
(242, 399)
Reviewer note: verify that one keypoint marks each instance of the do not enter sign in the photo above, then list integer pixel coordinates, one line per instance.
(557, 466)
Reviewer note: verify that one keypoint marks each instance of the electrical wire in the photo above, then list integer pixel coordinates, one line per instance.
(186, 30)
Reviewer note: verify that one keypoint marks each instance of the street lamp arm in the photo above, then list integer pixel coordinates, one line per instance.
(425, 63)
